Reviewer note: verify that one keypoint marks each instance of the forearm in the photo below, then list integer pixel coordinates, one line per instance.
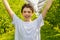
(48, 5)
(8, 8)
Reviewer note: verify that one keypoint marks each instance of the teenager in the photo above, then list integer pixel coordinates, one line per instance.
(27, 29)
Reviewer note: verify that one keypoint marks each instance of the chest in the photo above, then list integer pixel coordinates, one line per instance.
(28, 29)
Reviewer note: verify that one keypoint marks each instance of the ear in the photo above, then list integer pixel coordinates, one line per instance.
(32, 13)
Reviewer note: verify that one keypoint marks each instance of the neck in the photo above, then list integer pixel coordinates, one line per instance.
(27, 20)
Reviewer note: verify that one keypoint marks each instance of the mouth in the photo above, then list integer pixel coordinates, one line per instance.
(27, 16)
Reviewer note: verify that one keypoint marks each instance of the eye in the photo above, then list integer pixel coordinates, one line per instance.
(29, 12)
(24, 11)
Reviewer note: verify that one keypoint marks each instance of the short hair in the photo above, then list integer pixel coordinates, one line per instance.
(27, 6)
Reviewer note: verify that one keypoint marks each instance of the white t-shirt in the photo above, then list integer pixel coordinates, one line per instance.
(27, 30)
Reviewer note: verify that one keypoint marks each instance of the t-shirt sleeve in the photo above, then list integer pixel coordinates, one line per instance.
(15, 20)
(40, 21)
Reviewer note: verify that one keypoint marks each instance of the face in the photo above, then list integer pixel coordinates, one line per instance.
(27, 13)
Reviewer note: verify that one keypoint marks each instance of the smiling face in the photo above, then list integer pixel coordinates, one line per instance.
(27, 14)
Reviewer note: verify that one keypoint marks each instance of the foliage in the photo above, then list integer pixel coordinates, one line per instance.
(50, 31)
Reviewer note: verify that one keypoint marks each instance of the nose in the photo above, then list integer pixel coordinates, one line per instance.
(26, 13)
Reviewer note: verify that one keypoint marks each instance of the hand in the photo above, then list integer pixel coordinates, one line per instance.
(41, 4)
(48, 5)
(7, 6)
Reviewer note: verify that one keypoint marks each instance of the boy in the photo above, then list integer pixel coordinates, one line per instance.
(27, 29)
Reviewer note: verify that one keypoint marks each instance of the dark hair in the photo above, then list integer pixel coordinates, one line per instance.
(27, 6)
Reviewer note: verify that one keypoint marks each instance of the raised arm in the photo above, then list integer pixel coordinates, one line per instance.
(48, 5)
(8, 8)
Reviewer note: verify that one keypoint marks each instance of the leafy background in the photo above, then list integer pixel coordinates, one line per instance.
(50, 31)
